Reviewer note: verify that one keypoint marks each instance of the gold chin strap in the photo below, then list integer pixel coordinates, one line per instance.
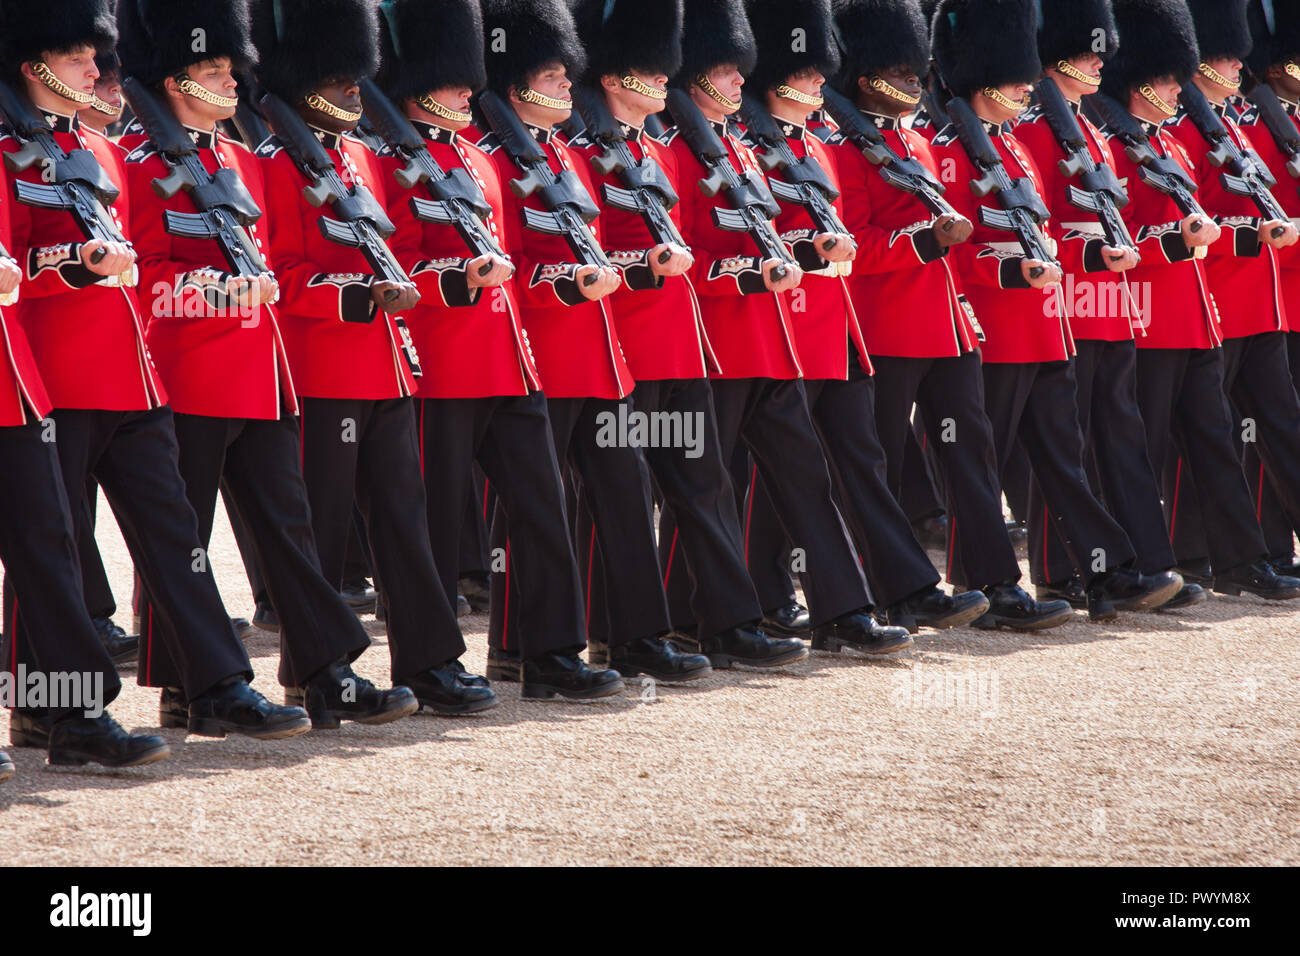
(446, 112)
(108, 109)
(1214, 76)
(199, 92)
(46, 76)
(715, 94)
(322, 105)
(806, 99)
(1154, 99)
(1074, 73)
(881, 85)
(630, 82)
(1292, 70)
(997, 96)
(530, 95)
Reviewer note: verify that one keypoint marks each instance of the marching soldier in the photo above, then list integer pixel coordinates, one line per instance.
(915, 319)
(579, 358)
(838, 376)
(632, 52)
(353, 365)
(39, 553)
(1180, 359)
(759, 394)
(1274, 52)
(217, 344)
(490, 410)
(1245, 276)
(110, 417)
(1074, 39)
(987, 53)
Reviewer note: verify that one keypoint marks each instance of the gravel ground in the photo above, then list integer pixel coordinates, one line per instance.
(1160, 739)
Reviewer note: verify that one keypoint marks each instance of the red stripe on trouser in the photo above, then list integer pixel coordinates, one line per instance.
(486, 484)
(591, 557)
(1173, 512)
(12, 630)
(505, 615)
(749, 511)
(421, 438)
(672, 551)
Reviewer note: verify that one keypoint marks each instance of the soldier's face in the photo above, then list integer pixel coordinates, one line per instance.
(1089, 65)
(1166, 88)
(1016, 93)
(633, 101)
(75, 69)
(1230, 67)
(902, 78)
(344, 93)
(727, 80)
(216, 76)
(810, 83)
(454, 98)
(1286, 83)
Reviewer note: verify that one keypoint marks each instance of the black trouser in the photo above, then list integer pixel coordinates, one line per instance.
(475, 558)
(615, 485)
(770, 416)
(510, 437)
(1185, 409)
(1262, 399)
(357, 563)
(366, 451)
(1116, 462)
(1034, 402)
(94, 579)
(706, 548)
(949, 398)
(921, 495)
(1279, 528)
(42, 588)
(259, 461)
(844, 414)
(134, 457)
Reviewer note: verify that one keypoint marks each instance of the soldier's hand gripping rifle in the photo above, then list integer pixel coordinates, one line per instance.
(454, 198)
(569, 208)
(1244, 173)
(73, 181)
(803, 183)
(752, 206)
(646, 190)
(1022, 209)
(902, 172)
(1279, 124)
(1099, 191)
(361, 224)
(226, 207)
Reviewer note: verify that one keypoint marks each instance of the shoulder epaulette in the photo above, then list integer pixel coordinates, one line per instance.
(489, 142)
(945, 136)
(141, 152)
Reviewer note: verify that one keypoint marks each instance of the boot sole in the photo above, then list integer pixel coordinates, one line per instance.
(1153, 600)
(215, 727)
(771, 627)
(508, 673)
(837, 645)
(1200, 598)
(1016, 624)
(7, 770)
(676, 677)
(25, 738)
(458, 710)
(76, 758)
(173, 722)
(727, 661)
(532, 691)
(327, 719)
(914, 623)
(1236, 590)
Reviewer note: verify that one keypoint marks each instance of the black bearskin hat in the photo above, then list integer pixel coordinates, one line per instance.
(158, 38)
(792, 36)
(981, 43)
(716, 32)
(1156, 39)
(630, 35)
(31, 27)
(430, 45)
(879, 34)
(302, 43)
(1221, 28)
(522, 35)
(1070, 28)
(1275, 33)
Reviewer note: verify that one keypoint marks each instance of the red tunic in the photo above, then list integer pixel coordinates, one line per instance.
(1245, 276)
(1181, 313)
(216, 359)
(574, 341)
(87, 337)
(340, 344)
(1021, 324)
(907, 295)
(750, 327)
(1102, 304)
(821, 308)
(1287, 194)
(21, 388)
(469, 346)
(659, 321)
